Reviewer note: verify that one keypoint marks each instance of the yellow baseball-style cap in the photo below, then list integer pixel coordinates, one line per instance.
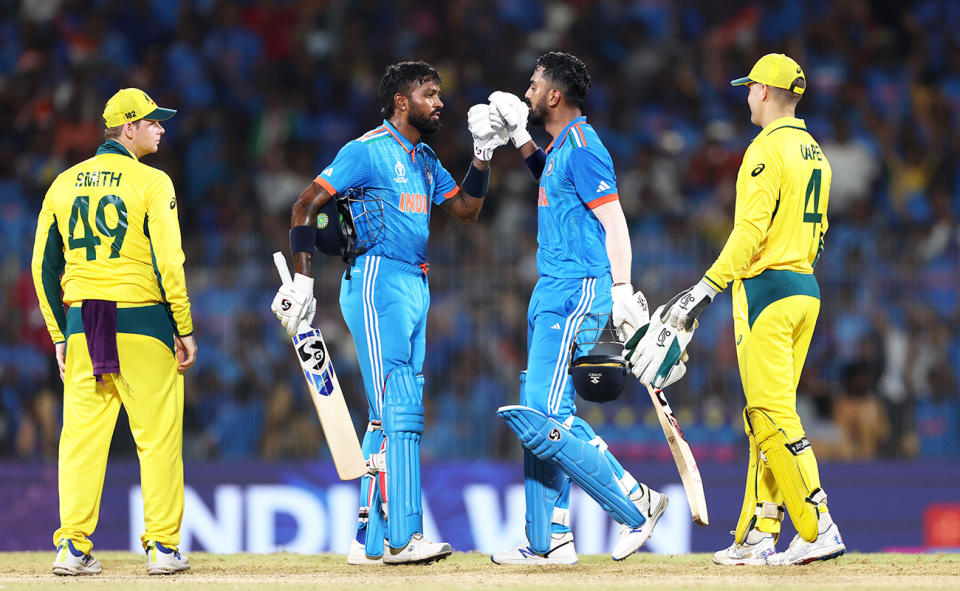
(131, 104)
(774, 69)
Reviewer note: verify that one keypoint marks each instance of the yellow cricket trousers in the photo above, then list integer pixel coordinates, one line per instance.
(151, 390)
(774, 315)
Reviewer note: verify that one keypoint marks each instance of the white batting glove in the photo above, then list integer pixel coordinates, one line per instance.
(630, 310)
(682, 310)
(294, 304)
(488, 130)
(656, 353)
(514, 112)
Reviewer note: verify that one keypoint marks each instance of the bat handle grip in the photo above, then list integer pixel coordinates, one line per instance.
(281, 262)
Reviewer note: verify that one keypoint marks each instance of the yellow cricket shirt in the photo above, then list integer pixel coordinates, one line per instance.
(781, 211)
(110, 226)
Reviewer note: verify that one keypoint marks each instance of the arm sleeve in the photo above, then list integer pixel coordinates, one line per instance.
(47, 266)
(593, 177)
(756, 202)
(444, 187)
(163, 230)
(350, 168)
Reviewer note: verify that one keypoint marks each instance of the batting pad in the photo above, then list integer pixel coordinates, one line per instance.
(782, 461)
(547, 492)
(586, 465)
(760, 496)
(544, 485)
(371, 498)
(403, 426)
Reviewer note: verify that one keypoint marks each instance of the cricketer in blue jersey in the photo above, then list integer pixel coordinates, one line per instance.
(583, 260)
(384, 297)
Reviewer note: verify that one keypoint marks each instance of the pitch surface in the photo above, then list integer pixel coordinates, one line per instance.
(125, 570)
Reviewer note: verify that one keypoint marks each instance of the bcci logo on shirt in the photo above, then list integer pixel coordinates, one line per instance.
(400, 171)
(429, 178)
(549, 170)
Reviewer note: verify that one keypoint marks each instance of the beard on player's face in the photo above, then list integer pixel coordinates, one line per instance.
(537, 114)
(424, 122)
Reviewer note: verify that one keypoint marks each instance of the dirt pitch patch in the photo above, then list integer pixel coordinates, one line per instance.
(280, 572)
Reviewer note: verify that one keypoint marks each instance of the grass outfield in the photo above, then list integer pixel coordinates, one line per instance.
(126, 570)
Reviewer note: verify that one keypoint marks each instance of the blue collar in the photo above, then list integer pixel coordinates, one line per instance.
(563, 132)
(113, 147)
(399, 136)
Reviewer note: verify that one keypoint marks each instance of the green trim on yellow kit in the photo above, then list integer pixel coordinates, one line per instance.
(151, 321)
(773, 285)
(52, 267)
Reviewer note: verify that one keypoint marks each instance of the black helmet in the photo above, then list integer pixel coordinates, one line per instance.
(350, 224)
(597, 367)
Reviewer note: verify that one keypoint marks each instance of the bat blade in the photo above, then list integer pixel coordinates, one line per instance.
(325, 391)
(330, 404)
(682, 456)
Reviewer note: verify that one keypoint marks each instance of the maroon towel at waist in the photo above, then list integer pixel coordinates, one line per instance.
(99, 319)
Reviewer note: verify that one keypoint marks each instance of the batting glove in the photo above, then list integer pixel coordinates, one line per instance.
(294, 304)
(514, 112)
(488, 130)
(682, 310)
(630, 310)
(656, 354)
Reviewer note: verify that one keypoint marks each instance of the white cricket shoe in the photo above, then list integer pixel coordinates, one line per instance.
(562, 551)
(358, 555)
(652, 504)
(417, 551)
(73, 562)
(828, 545)
(752, 551)
(162, 560)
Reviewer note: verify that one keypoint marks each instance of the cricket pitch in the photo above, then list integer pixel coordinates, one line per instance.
(280, 572)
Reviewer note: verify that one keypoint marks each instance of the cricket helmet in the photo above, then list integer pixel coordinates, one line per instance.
(597, 366)
(350, 224)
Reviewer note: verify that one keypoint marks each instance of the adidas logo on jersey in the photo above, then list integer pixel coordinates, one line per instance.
(556, 326)
(603, 187)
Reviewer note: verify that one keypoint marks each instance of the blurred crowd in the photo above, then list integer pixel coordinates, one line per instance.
(268, 91)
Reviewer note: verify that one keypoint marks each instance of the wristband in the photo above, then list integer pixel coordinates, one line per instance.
(536, 161)
(475, 182)
(302, 239)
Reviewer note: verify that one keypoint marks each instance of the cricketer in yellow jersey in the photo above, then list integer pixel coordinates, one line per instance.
(780, 219)
(108, 246)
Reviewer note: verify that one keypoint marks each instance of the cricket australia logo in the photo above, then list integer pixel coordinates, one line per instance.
(400, 172)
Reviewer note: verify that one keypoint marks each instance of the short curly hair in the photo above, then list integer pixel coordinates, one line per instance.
(398, 78)
(568, 73)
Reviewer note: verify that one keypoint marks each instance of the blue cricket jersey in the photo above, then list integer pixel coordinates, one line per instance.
(407, 177)
(577, 177)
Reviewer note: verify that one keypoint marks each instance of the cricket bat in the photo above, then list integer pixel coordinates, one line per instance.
(326, 394)
(686, 464)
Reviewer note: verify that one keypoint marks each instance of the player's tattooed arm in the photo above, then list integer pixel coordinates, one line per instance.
(304, 213)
